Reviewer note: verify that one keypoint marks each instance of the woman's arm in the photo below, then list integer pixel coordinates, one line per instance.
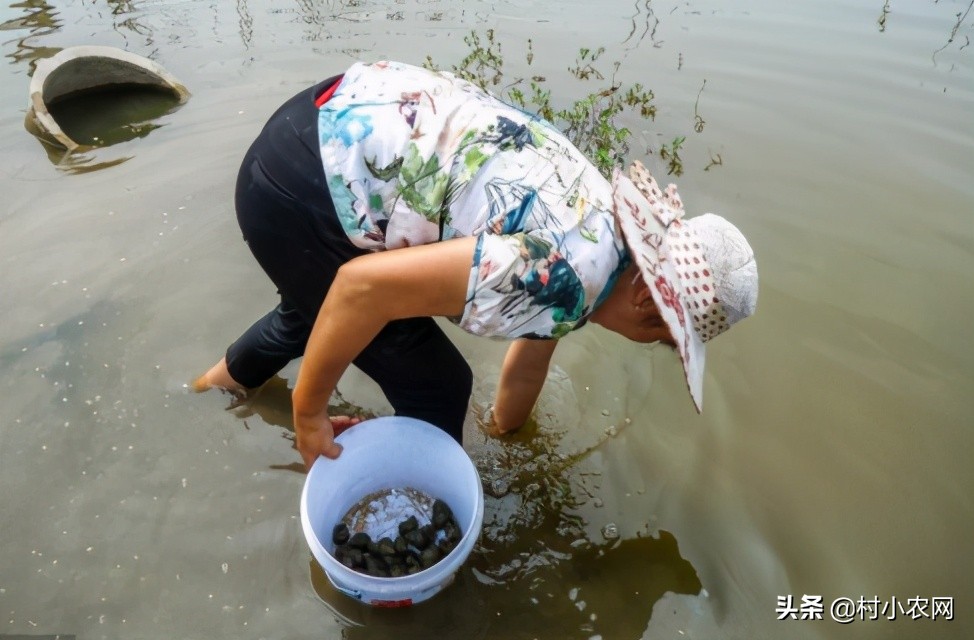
(368, 292)
(522, 377)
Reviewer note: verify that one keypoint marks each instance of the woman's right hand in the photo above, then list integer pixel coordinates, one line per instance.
(316, 437)
(314, 440)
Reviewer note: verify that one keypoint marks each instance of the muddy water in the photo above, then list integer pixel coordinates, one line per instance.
(833, 458)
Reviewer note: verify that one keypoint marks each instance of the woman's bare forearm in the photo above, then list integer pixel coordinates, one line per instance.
(367, 293)
(345, 325)
(522, 377)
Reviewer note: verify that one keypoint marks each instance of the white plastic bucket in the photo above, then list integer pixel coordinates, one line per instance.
(391, 453)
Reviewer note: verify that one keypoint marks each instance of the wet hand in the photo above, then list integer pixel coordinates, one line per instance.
(492, 428)
(495, 431)
(317, 438)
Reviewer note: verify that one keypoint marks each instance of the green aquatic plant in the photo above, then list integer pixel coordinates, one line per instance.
(592, 122)
(671, 153)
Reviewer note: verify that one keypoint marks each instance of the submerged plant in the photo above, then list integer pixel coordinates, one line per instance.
(592, 122)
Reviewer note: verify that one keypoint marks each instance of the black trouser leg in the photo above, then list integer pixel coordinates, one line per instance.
(421, 372)
(268, 346)
(288, 221)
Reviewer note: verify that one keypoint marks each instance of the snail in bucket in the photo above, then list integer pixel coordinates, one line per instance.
(417, 547)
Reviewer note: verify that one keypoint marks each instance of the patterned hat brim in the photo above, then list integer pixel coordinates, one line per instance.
(645, 231)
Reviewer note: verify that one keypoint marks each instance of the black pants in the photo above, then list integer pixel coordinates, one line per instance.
(289, 222)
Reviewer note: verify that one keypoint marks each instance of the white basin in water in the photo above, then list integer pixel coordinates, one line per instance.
(76, 70)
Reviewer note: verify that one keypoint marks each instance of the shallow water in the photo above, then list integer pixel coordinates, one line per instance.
(833, 457)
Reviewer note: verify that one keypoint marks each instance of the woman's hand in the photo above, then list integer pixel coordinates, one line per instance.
(316, 437)
(315, 440)
(489, 424)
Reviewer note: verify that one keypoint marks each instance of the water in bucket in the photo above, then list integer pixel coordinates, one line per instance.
(109, 115)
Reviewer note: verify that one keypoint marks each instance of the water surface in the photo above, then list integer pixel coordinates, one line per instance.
(833, 456)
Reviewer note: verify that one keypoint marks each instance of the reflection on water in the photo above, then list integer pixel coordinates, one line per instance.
(126, 20)
(78, 162)
(954, 36)
(544, 575)
(645, 23)
(97, 118)
(271, 404)
(40, 19)
(102, 117)
(534, 572)
(523, 588)
(883, 16)
(603, 590)
(954, 31)
(322, 18)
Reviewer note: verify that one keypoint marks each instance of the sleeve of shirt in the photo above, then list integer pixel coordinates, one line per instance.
(521, 285)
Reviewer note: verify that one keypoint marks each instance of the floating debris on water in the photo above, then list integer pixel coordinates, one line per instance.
(499, 487)
(610, 531)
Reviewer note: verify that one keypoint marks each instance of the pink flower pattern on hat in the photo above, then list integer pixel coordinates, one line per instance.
(670, 297)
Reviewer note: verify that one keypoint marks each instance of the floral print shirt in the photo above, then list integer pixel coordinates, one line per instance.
(414, 156)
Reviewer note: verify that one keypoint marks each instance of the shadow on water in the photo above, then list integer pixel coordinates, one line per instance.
(605, 590)
(272, 404)
(534, 569)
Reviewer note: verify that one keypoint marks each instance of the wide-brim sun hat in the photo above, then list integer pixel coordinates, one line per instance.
(700, 271)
